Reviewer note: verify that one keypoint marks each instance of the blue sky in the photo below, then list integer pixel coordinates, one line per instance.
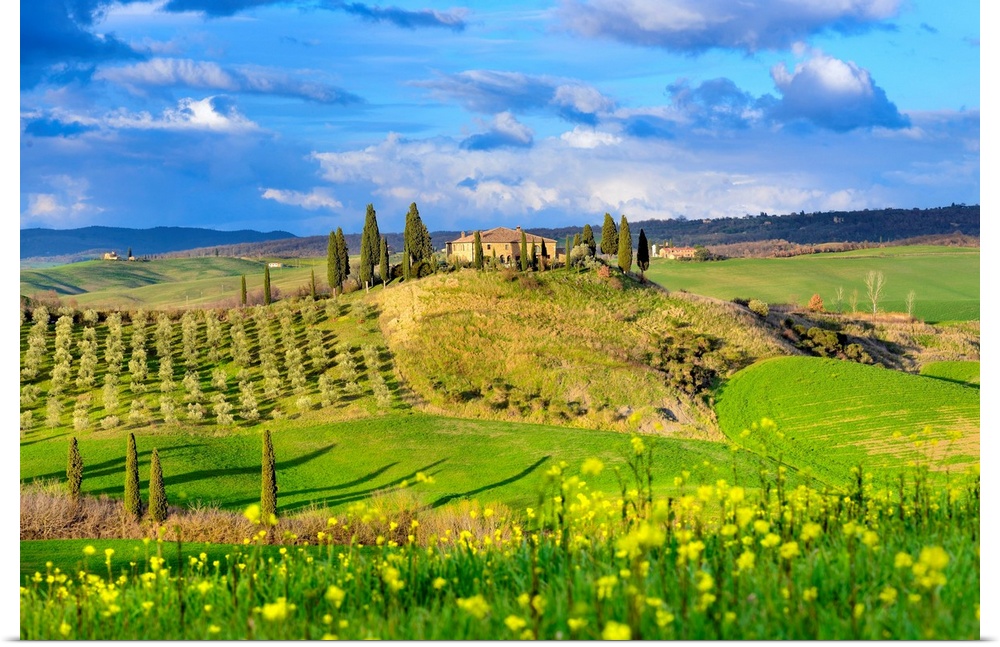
(266, 115)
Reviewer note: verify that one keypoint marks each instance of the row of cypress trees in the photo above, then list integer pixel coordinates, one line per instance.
(157, 492)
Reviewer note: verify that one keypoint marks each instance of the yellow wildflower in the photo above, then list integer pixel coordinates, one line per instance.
(335, 595)
(810, 594)
(770, 540)
(903, 560)
(789, 550)
(745, 562)
(592, 467)
(616, 631)
(888, 595)
(576, 624)
(810, 531)
(276, 611)
(515, 623)
(475, 606)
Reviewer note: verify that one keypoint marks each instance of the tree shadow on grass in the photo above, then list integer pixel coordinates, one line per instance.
(349, 496)
(105, 468)
(206, 474)
(507, 481)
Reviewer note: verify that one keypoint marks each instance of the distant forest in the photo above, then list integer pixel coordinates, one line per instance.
(799, 229)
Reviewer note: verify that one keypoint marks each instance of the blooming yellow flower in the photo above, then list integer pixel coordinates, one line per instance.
(761, 526)
(335, 595)
(276, 611)
(745, 562)
(439, 583)
(592, 467)
(515, 623)
(903, 560)
(576, 624)
(810, 531)
(810, 594)
(789, 550)
(637, 445)
(252, 513)
(663, 618)
(770, 540)
(64, 629)
(605, 585)
(616, 631)
(475, 606)
(89, 550)
(888, 595)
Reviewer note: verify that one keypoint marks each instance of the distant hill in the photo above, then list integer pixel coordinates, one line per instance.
(874, 225)
(89, 242)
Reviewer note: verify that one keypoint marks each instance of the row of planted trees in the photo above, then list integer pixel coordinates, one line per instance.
(263, 360)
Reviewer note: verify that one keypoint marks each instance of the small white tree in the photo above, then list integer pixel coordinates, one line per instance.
(911, 301)
(874, 283)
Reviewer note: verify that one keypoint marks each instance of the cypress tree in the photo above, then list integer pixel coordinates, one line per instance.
(345, 259)
(624, 247)
(312, 284)
(524, 252)
(133, 501)
(545, 253)
(534, 257)
(243, 290)
(157, 493)
(268, 481)
(609, 236)
(567, 251)
(477, 252)
(74, 469)
(406, 262)
(267, 285)
(333, 264)
(642, 257)
(369, 247)
(576, 241)
(383, 261)
(416, 238)
(588, 239)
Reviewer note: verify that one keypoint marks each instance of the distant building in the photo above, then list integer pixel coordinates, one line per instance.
(274, 264)
(111, 256)
(676, 252)
(503, 242)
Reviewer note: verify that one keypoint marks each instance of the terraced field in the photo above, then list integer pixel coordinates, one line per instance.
(831, 415)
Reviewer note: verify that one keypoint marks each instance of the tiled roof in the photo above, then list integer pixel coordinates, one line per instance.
(502, 235)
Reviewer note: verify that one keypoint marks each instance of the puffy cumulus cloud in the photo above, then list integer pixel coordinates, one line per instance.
(211, 76)
(699, 25)
(318, 198)
(215, 114)
(834, 94)
(59, 39)
(586, 171)
(505, 130)
(408, 19)
(492, 91)
(65, 202)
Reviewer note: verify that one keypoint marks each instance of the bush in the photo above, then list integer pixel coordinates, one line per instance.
(815, 303)
(759, 307)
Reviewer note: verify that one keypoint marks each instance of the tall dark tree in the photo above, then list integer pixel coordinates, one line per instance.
(369, 247)
(477, 251)
(243, 290)
(74, 469)
(267, 285)
(383, 261)
(545, 255)
(609, 236)
(524, 252)
(333, 264)
(416, 240)
(642, 255)
(624, 247)
(533, 263)
(129, 254)
(268, 480)
(133, 500)
(345, 259)
(312, 284)
(568, 248)
(577, 240)
(406, 262)
(157, 493)
(588, 239)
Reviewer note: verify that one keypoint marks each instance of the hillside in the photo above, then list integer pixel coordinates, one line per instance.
(568, 348)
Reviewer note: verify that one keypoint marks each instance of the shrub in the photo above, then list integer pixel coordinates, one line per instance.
(759, 307)
(815, 303)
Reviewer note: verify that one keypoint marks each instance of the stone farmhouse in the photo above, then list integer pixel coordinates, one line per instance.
(675, 252)
(503, 242)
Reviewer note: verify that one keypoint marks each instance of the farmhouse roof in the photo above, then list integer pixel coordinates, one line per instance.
(502, 235)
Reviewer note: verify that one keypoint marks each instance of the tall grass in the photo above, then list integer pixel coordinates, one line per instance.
(717, 562)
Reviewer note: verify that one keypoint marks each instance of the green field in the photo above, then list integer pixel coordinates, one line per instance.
(168, 283)
(945, 280)
(330, 465)
(832, 415)
(961, 372)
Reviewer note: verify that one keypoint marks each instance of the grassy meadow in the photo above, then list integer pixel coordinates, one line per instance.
(945, 280)
(438, 440)
(829, 415)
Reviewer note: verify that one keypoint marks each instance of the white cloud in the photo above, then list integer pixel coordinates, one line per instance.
(318, 198)
(65, 204)
(581, 137)
(208, 114)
